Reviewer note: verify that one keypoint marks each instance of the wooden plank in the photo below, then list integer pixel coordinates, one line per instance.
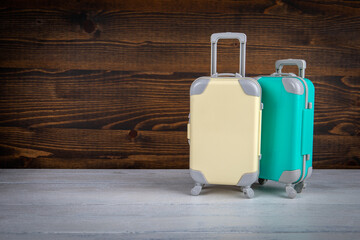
(88, 148)
(124, 218)
(127, 41)
(34, 98)
(74, 148)
(336, 151)
(228, 6)
(171, 58)
(149, 6)
(95, 99)
(318, 7)
(130, 204)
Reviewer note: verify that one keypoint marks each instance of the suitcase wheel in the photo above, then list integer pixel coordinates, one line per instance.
(299, 187)
(262, 181)
(248, 192)
(195, 191)
(291, 192)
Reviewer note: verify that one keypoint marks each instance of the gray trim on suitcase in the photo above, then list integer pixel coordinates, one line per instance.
(290, 176)
(306, 93)
(198, 177)
(248, 178)
(293, 85)
(303, 173)
(250, 87)
(309, 173)
(189, 124)
(199, 85)
(307, 104)
(293, 176)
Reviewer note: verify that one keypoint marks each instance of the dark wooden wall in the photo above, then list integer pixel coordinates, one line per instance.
(105, 84)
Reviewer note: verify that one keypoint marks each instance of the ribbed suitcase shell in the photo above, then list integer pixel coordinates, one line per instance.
(224, 130)
(287, 128)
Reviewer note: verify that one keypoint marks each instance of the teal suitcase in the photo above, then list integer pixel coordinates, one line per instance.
(287, 127)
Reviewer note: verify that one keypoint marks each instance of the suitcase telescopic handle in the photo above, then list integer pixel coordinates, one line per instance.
(279, 64)
(228, 35)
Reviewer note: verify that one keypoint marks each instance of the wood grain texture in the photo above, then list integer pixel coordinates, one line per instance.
(174, 42)
(105, 84)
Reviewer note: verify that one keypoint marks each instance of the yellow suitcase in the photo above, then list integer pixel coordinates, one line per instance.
(224, 125)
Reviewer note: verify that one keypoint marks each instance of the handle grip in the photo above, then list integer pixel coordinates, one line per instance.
(283, 74)
(279, 64)
(226, 74)
(228, 35)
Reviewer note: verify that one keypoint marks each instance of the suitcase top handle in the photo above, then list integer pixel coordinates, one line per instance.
(228, 35)
(279, 64)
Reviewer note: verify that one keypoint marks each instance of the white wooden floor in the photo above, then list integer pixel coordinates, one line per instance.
(155, 204)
